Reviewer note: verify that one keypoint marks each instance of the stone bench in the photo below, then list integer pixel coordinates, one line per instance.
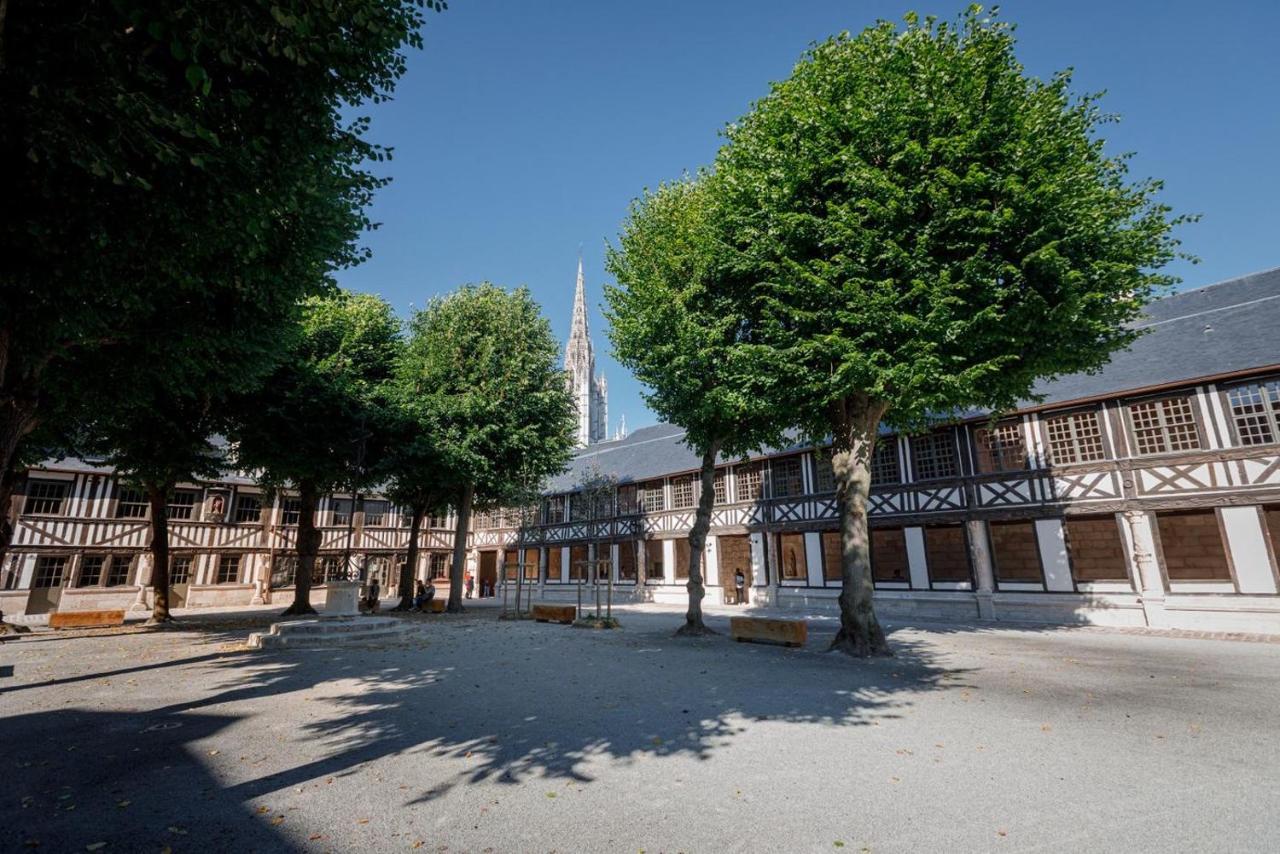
(547, 613)
(85, 619)
(767, 630)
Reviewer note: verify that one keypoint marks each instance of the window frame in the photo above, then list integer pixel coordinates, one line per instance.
(795, 478)
(1270, 407)
(238, 514)
(688, 485)
(1196, 422)
(63, 487)
(182, 512)
(993, 454)
(222, 560)
(756, 470)
(1099, 415)
(947, 437)
(888, 445)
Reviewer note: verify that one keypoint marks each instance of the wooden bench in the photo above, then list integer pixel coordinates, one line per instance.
(85, 619)
(438, 604)
(546, 613)
(765, 630)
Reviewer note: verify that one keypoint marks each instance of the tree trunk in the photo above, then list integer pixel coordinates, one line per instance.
(11, 482)
(158, 498)
(460, 551)
(308, 545)
(855, 425)
(693, 625)
(410, 568)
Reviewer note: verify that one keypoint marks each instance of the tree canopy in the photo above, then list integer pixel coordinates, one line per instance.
(927, 229)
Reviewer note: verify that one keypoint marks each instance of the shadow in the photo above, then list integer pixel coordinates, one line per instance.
(107, 674)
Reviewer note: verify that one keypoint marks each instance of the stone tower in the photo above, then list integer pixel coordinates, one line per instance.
(590, 392)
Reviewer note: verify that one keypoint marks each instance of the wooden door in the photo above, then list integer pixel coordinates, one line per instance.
(488, 579)
(735, 554)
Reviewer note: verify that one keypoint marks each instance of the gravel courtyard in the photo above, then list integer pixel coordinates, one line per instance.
(481, 735)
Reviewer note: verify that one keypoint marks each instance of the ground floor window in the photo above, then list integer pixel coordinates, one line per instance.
(626, 560)
(946, 553)
(438, 565)
(330, 568)
(378, 568)
(49, 569)
(284, 571)
(510, 564)
(180, 568)
(1096, 549)
(577, 563)
(832, 551)
(653, 558)
(1192, 547)
(531, 564)
(91, 567)
(118, 570)
(228, 569)
(889, 555)
(554, 563)
(682, 559)
(1014, 552)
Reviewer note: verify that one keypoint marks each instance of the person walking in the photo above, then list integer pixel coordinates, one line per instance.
(471, 584)
(375, 595)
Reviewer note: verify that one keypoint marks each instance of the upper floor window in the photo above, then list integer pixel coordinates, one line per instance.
(375, 513)
(1001, 447)
(628, 500)
(579, 511)
(438, 520)
(1075, 437)
(341, 511)
(1255, 409)
(555, 510)
(933, 455)
(45, 496)
(884, 462)
(824, 479)
(652, 499)
(747, 478)
(290, 511)
(682, 492)
(1160, 426)
(720, 487)
(248, 508)
(131, 503)
(786, 477)
(182, 504)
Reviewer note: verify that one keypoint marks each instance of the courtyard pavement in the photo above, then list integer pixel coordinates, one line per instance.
(483, 735)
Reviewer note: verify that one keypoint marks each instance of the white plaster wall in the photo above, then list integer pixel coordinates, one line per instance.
(711, 563)
(564, 563)
(1247, 542)
(813, 557)
(758, 574)
(668, 561)
(916, 559)
(1053, 555)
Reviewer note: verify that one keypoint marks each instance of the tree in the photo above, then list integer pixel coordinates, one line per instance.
(678, 322)
(320, 422)
(162, 155)
(928, 229)
(483, 365)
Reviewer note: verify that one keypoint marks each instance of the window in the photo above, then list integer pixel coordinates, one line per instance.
(747, 477)
(438, 520)
(555, 563)
(933, 455)
(290, 511)
(510, 564)
(578, 563)
(438, 565)
(627, 561)
(182, 504)
(531, 564)
(884, 462)
(578, 510)
(946, 553)
(651, 496)
(404, 515)
(1097, 552)
(229, 569)
(180, 568)
(1160, 426)
(682, 559)
(682, 492)
(49, 571)
(341, 511)
(653, 570)
(792, 557)
(1001, 447)
(91, 567)
(248, 508)
(1191, 546)
(118, 570)
(824, 475)
(131, 503)
(45, 497)
(375, 513)
(628, 500)
(283, 571)
(1255, 409)
(832, 552)
(1075, 437)
(720, 487)
(1014, 551)
(889, 555)
(555, 510)
(330, 568)
(786, 477)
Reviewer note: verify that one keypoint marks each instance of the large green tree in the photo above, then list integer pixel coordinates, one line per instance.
(175, 156)
(483, 365)
(320, 421)
(677, 320)
(928, 228)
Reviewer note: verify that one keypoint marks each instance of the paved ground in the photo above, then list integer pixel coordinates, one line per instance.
(480, 735)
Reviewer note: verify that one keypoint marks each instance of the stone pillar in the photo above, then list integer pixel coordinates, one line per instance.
(1143, 551)
(980, 556)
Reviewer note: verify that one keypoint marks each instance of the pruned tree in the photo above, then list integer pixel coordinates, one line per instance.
(320, 421)
(926, 228)
(679, 321)
(483, 363)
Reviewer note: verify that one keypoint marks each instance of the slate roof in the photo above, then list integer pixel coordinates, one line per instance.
(1230, 327)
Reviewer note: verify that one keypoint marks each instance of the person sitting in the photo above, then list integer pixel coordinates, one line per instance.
(422, 598)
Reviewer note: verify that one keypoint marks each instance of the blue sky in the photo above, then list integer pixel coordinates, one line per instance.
(522, 131)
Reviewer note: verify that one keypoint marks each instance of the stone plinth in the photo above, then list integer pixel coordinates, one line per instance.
(342, 599)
